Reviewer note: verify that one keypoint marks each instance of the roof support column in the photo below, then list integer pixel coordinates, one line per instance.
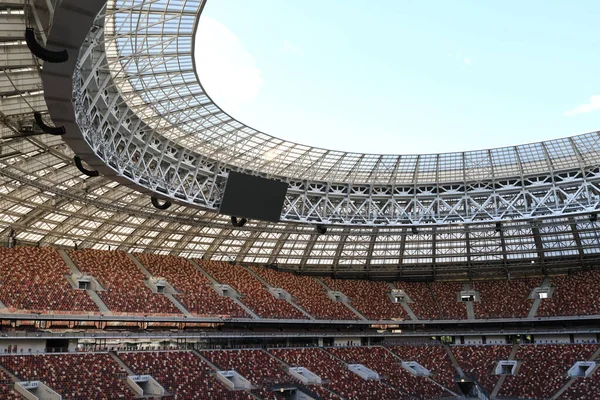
(577, 237)
(340, 248)
(372, 241)
(246, 246)
(282, 239)
(225, 232)
(539, 246)
(307, 251)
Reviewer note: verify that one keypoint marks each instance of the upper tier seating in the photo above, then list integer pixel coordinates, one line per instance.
(255, 295)
(194, 288)
(345, 383)
(33, 279)
(503, 298)
(308, 293)
(577, 294)
(257, 366)
(182, 373)
(423, 305)
(370, 298)
(6, 392)
(445, 295)
(124, 283)
(385, 364)
(74, 376)
(544, 368)
(480, 362)
(434, 358)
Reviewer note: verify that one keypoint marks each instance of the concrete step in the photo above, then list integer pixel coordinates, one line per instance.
(96, 299)
(302, 310)
(12, 376)
(430, 379)
(354, 310)
(214, 281)
(206, 274)
(406, 306)
(63, 254)
(177, 304)
(266, 284)
(469, 304)
(593, 357)
(454, 361)
(409, 311)
(121, 363)
(260, 278)
(502, 378)
(139, 265)
(537, 302)
(210, 364)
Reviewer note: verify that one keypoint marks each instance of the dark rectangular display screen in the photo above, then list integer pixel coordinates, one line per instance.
(253, 197)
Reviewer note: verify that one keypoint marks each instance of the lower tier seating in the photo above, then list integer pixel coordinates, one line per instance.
(543, 369)
(182, 373)
(435, 358)
(6, 392)
(583, 388)
(261, 369)
(479, 362)
(74, 376)
(338, 377)
(387, 365)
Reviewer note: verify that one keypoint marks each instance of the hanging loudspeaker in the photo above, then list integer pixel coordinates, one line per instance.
(84, 171)
(42, 52)
(51, 130)
(162, 206)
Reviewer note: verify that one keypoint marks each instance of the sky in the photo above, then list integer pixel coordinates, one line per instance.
(404, 77)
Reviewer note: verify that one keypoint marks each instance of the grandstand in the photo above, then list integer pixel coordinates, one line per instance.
(435, 276)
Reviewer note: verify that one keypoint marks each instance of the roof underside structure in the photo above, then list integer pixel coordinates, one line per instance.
(528, 209)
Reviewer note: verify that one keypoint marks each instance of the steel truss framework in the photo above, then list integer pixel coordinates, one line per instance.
(143, 111)
(47, 200)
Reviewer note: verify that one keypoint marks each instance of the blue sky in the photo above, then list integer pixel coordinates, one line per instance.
(404, 76)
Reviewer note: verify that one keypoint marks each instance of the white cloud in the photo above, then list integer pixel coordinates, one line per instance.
(291, 48)
(467, 61)
(226, 69)
(592, 105)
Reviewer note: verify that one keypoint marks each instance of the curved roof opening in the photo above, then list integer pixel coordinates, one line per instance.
(396, 77)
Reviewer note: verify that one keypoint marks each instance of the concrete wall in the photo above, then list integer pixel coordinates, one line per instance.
(552, 339)
(585, 338)
(473, 340)
(495, 340)
(346, 342)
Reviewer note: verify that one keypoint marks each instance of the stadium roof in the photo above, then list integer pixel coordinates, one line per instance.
(148, 46)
